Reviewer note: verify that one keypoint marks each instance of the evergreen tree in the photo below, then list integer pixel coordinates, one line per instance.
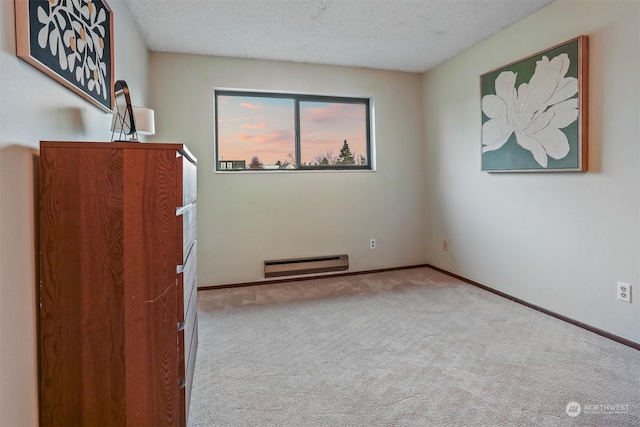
(346, 157)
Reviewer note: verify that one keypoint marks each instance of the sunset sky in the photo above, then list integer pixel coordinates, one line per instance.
(265, 127)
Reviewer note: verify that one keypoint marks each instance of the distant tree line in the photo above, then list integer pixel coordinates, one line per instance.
(344, 157)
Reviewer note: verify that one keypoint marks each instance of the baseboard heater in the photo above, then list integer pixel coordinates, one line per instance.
(295, 266)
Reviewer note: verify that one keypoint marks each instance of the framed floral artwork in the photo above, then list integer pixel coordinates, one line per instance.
(534, 112)
(71, 41)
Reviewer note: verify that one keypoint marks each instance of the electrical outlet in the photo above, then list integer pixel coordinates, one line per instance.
(372, 243)
(624, 292)
(445, 245)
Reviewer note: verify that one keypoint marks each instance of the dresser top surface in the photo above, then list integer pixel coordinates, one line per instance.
(120, 145)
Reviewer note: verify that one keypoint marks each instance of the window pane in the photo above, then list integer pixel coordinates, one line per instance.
(333, 134)
(255, 132)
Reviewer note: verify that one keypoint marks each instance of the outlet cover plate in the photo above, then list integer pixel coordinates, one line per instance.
(624, 292)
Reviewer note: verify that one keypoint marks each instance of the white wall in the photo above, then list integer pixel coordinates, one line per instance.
(246, 218)
(559, 240)
(34, 107)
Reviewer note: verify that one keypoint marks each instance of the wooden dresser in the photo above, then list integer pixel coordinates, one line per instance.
(117, 292)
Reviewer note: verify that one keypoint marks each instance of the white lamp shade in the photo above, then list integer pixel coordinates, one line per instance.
(145, 120)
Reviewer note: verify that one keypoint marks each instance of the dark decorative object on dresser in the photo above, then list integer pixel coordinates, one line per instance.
(117, 292)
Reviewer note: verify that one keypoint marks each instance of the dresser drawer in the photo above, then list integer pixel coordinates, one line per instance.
(186, 223)
(186, 334)
(187, 283)
(187, 381)
(191, 364)
(187, 181)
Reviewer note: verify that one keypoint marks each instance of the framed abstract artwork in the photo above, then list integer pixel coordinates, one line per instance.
(534, 112)
(71, 41)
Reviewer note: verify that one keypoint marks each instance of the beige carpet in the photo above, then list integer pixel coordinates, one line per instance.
(406, 348)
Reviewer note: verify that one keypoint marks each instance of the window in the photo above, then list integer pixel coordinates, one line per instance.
(273, 131)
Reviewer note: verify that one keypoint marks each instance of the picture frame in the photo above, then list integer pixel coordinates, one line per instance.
(71, 41)
(534, 112)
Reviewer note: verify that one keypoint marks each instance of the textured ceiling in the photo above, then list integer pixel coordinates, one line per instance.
(399, 35)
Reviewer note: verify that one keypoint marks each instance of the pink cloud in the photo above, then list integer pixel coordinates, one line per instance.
(232, 119)
(250, 105)
(275, 138)
(333, 112)
(260, 125)
(255, 139)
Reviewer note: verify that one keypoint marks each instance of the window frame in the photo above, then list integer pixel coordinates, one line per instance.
(297, 99)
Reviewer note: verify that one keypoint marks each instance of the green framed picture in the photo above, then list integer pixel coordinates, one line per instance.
(534, 112)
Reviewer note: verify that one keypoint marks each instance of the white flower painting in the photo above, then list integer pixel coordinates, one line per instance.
(72, 38)
(535, 111)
